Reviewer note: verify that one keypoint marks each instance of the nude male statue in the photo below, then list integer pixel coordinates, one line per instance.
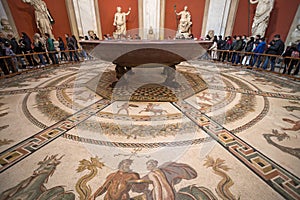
(120, 21)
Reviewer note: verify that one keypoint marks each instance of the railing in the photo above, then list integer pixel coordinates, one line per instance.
(285, 66)
(21, 63)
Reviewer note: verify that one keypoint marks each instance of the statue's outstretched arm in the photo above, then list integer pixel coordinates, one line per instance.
(254, 1)
(128, 11)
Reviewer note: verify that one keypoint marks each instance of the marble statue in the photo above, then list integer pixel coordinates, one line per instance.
(42, 16)
(295, 36)
(6, 27)
(262, 15)
(120, 22)
(211, 34)
(184, 26)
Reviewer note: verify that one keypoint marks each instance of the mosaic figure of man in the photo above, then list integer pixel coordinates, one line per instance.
(116, 185)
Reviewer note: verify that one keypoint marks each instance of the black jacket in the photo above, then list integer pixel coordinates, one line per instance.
(238, 45)
(276, 48)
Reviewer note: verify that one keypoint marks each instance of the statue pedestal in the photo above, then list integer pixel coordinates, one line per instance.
(182, 35)
(117, 36)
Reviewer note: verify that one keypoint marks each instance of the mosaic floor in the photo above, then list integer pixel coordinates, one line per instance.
(225, 133)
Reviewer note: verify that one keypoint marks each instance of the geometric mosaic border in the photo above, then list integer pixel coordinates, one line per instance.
(259, 117)
(28, 146)
(281, 180)
(257, 92)
(36, 89)
(148, 145)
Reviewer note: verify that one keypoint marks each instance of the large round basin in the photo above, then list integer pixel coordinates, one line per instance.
(137, 52)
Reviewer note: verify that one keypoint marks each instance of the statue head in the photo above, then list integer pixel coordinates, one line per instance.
(185, 8)
(91, 33)
(211, 33)
(5, 24)
(119, 9)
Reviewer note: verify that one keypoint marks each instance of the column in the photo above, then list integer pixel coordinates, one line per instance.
(218, 12)
(86, 17)
(151, 17)
(162, 19)
(72, 17)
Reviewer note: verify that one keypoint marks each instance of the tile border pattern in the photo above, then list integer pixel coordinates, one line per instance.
(259, 117)
(137, 145)
(281, 180)
(28, 146)
(257, 92)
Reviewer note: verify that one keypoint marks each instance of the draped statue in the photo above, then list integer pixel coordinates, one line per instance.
(120, 22)
(184, 26)
(42, 16)
(262, 15)
(295, 35)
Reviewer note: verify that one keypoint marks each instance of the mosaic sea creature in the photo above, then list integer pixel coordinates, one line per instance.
(82, 188)
(219, 167)
(281, 136)
(296, 126)
(5, 141)
(33, 187)
(291, 108)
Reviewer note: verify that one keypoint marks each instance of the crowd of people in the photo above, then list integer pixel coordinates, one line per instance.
(38, 51)
(255, 52)
(237, 50)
